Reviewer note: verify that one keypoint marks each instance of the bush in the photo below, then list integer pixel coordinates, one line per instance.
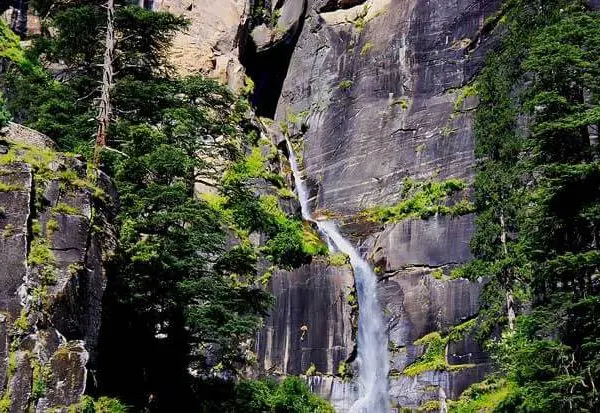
(292, 395)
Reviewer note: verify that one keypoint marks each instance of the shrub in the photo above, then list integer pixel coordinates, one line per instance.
(345, 84)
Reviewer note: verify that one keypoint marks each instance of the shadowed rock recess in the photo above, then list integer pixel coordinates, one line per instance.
(55, 234)
(377, 97)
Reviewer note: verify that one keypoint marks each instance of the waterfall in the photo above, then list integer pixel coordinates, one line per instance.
(373, 364)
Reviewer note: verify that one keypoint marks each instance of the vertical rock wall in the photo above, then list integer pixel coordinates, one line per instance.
(378, 92)
(312, 323)
(56, 232)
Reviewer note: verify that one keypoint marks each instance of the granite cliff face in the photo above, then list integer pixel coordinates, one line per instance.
(377, 93)
(56, 234)
(211, 43)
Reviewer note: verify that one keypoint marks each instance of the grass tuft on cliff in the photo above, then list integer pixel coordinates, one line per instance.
(422, 200)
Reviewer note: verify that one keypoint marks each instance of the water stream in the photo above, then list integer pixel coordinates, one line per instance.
(372, 360)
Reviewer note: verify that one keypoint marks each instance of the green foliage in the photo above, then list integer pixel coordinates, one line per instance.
(402, 102)
(109, 405)
(52, 225)
(144, 39)
(360, 21)
(422, 200)
(10, 48)
(537, 197)
(293, 395)
(291, 243)
(345, 84)
(434, 357)
(438, 273)
(430, 406)
(484, 397)
(62, 208)
(463, 94)
(10, 187)
(40, 253)
(290, 396)
(311, 371)
(102, 405)
(366, 48)
(8, 230)
(312, 244)
(5, 402)
(344, 371)
(459, 331)
(338, 259)
(21, 324)
(41, 374)
(5, 115)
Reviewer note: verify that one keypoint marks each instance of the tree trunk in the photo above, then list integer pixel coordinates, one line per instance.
(105, 110)
(592, 130)
(510, 302)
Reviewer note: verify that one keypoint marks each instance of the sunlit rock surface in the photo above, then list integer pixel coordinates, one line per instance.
(210, 44)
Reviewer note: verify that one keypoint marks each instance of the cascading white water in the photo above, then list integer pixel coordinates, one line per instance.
(373, 364)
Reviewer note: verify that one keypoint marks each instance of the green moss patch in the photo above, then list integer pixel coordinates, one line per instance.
(422, 200)
(40, 253)
(434, 357)
(483, 397)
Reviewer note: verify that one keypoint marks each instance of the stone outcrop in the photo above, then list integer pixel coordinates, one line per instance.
(56, 233)
(286, 22)
(210, 44)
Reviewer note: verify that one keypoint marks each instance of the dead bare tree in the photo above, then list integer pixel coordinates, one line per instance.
(105, 108)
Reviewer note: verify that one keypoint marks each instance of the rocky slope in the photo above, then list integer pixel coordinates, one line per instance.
(56, 233)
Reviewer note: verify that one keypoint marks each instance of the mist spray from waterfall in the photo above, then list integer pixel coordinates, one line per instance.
(373, 364)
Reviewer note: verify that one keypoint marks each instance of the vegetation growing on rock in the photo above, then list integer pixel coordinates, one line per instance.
(422, 200)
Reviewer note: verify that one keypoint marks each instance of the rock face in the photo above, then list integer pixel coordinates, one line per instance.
(377, 92)
(377, 85)
(210, 44)
(290, 13)
(311, 323)
(55, 233)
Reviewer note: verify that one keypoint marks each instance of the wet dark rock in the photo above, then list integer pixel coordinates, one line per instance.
(378, 89)
(3, 351)
(14, 217)
(397, 119)
(432, 385)
(466, 351)
(20, 383)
